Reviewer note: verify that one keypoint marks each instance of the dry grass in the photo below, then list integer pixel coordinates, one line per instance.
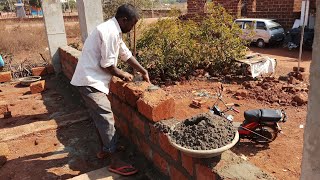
(26, 41)
(17, 38)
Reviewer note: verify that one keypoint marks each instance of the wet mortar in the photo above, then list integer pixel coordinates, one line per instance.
(201, 132)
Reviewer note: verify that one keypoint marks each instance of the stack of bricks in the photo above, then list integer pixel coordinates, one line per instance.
(136, 109)
(69, 59)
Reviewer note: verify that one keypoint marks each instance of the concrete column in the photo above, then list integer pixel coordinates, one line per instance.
(90, 15)
(56, 34)
(311, 146)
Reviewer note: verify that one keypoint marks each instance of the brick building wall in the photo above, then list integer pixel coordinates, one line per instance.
(285, 11)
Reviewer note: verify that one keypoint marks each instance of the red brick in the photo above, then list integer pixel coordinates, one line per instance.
(156, 105)
(50, 69)
(39, 71)
(204, 173)
(176, 174)
(116, 104)
(138, 122)
(37, 87)
(5, 76)
(3, 107)
(126, 111)
(122, 126)
(73, 60)
(154, 133)
(134, 91)
(187, 163)
(145, 148)
(160, 163)
(117, 87)
(166, 147)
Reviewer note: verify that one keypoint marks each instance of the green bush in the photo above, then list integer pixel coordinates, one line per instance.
(173, 48)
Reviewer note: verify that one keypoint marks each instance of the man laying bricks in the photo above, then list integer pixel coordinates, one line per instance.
(95, 68)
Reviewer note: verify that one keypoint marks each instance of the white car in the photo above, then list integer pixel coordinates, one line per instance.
(261, 31)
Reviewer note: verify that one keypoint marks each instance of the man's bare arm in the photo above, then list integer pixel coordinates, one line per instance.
(137, 66)
(113, 70)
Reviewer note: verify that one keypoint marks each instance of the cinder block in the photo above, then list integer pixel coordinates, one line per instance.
(5, 76)
(204, 172)
(176, 174)
(160, 163)
(133, 91)
(37, 87)
(156, 105)
(167, 147)
(4, 107)
(39, 71)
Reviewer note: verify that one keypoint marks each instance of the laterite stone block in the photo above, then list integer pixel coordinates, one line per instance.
(138, 122)
(117, 87)
(126, 111)
(5, 76)
(167, 147)
(176, 174)
(50, 69)
(204, 173)
(187, 163)
(160, 163)
(37, 87)
(39, 71)
(3, 107)
(133, 91)
(156, 105)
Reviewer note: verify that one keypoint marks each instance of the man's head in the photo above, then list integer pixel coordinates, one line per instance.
(127, 16)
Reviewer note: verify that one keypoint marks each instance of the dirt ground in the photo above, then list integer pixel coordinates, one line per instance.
(59, 153)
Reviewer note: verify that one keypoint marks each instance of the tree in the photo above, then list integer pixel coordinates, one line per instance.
(110, 6)
(35, 3)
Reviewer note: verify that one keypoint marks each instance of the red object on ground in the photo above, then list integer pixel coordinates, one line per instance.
(119, 170)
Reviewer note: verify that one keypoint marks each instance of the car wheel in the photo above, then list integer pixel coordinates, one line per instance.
(260, 43)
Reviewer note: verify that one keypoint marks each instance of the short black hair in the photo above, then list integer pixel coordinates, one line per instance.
(128, 11)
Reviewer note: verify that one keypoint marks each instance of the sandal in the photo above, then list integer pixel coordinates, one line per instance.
(126, 170)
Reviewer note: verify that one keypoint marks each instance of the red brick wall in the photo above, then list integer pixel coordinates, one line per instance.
(136, 110)
(285, 11)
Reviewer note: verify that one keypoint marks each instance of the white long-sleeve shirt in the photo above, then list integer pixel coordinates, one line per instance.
(101, 49)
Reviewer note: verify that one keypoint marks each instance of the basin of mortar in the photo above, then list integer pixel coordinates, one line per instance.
(203, 136)
(205, 153)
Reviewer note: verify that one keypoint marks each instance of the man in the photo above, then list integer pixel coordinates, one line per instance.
(95, 68)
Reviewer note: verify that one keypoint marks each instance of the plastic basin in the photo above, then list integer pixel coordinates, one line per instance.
(205, 153)
(26, 81)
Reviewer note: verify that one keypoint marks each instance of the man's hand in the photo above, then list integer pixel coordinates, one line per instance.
(127, 76)
(146, 77)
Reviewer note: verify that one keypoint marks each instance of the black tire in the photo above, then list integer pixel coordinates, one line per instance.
(267, 131)
(260, 43)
